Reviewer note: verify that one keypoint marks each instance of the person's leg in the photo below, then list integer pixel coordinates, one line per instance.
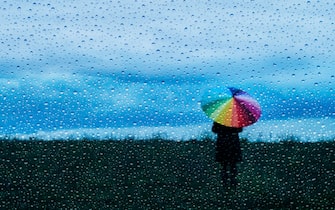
(224, 174)
(233, 174)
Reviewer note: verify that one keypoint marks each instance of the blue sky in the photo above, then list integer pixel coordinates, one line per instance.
(85, 64)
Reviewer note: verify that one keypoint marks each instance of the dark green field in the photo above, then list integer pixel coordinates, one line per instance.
(162, 174)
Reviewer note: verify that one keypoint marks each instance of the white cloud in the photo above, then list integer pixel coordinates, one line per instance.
(305, 130)
(9, 83)
(179, 30)
(312, 129)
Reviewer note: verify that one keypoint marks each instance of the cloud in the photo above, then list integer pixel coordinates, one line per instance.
(70, 64)
(50, 101)
(306, 130)
(152, 33)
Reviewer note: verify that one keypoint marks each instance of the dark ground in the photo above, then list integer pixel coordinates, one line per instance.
(162, 174)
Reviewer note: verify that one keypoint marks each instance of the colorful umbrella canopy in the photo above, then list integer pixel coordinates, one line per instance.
(231, 107)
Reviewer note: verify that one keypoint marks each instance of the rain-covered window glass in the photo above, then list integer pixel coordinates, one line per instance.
(141, 104)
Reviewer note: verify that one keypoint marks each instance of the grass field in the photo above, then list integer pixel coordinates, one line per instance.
(162, 174)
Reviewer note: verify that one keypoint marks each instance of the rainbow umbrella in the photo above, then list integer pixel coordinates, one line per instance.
(231, 107)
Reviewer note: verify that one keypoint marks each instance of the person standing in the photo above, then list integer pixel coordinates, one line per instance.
(228, 151)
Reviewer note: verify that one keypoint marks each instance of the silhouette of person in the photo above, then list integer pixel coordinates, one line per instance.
(228, 151)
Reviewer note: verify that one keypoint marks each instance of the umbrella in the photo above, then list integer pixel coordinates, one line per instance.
(231, 107)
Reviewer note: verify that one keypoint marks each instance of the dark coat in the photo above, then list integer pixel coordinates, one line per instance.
(228, 148)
